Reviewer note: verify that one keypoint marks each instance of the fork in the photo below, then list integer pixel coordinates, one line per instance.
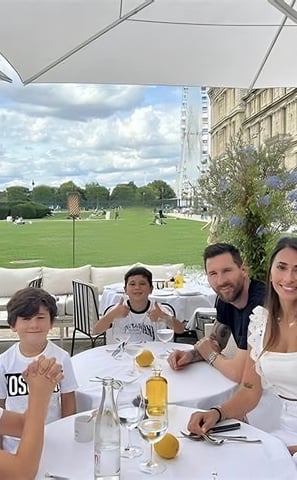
(220, 439)
(119, 349)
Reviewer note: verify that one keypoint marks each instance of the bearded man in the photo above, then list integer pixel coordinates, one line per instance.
(237, 296)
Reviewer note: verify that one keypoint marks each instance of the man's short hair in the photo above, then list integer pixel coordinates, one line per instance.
(26, 303)
(144, 272)
(219, 249)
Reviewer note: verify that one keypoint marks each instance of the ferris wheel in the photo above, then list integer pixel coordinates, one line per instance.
(194, 127)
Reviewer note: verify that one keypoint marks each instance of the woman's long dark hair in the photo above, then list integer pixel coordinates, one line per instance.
(272, 300)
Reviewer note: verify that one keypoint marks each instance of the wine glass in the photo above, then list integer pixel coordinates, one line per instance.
(164, 332)
(153, 428)
(120, 331)
(130, 405)
(133, 349)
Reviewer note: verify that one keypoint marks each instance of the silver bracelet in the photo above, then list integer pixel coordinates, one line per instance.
(212, 357)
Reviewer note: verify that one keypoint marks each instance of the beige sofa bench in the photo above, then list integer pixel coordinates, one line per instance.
(58, 281)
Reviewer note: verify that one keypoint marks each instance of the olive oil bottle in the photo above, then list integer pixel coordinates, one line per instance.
(156, 393)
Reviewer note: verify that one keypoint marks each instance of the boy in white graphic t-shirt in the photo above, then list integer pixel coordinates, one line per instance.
(31, 312)
(138, 313)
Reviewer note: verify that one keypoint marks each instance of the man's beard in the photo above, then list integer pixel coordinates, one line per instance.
(233, 295)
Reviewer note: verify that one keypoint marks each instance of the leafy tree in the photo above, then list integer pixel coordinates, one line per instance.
(146, 196)
(254, 197)
(18, 194)
(124, 194)
(96, 195)
(63, 190)
(44, 195)
(162, 191)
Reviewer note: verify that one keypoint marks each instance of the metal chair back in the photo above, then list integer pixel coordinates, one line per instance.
(85, 311)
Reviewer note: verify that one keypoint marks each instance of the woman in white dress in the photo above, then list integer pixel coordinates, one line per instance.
(272, 363)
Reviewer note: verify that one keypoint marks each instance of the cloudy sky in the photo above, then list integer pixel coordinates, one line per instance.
(95, 133)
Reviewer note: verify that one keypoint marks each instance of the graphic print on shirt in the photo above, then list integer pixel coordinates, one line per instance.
(17, 386)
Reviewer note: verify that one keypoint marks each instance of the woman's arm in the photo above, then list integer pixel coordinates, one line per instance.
(42, 376)
(68, 404)
(244, 400)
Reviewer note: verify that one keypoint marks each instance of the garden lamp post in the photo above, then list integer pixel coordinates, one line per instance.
(73, 210)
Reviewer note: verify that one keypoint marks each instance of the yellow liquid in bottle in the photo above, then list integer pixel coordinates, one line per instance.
(156, 394)
(178, 281)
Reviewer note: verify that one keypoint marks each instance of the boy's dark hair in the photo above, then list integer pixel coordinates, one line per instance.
(144, 272)
(26, 303)
(220, 248)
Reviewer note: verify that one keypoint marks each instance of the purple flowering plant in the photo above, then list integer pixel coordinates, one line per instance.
(254, 195)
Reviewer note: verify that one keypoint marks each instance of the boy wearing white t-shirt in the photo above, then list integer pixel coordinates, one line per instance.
(31, 312)
(138, 313)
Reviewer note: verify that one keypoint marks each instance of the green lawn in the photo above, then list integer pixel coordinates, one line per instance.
(100, 242)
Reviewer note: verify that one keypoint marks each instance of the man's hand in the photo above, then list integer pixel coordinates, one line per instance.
(179, 359)
(201, 422)
(205, 346)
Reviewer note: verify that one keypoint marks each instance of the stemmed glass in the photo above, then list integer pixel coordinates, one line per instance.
(120, 335)
(120, 332)
(153, 428)
(133, 349)
(164, 332)
(130, 405)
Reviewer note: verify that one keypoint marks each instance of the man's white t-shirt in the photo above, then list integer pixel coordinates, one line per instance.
(14, 389)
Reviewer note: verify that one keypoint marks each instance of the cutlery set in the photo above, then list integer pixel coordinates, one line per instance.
(214, 435)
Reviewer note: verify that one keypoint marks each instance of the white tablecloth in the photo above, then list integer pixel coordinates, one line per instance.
(198, 385)
(184, 305)
(268, 460)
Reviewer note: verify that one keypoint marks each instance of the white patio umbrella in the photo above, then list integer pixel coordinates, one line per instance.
(235, 43)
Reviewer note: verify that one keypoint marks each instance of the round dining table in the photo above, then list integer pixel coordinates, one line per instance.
(196, 460)
(198, 385)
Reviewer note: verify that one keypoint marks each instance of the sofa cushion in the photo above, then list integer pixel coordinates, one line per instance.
(58, 281)
(163, 271)
(13, 279)
(101, 276)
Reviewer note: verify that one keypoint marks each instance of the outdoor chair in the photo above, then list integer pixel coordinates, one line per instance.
(35, 282)
(85, 312)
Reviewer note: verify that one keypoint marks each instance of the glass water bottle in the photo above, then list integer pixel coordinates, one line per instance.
(107, 445)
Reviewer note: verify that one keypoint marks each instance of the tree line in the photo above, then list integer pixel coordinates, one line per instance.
(92, 196)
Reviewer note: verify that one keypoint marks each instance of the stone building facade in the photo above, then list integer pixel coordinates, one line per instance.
(262, 115)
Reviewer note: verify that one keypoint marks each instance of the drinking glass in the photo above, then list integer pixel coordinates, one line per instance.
(152, 429)
(120, 332)
(133, 349)
(164, 332)
(130, 405)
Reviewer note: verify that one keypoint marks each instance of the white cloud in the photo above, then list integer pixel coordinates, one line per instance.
(110, 134)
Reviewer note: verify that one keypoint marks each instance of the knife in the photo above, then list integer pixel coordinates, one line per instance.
(55, 477)
(224, 428)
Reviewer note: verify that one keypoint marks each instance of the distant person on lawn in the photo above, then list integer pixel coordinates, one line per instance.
(138, 313)
(30, 313)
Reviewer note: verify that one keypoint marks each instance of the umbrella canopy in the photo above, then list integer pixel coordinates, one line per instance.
(231, 43)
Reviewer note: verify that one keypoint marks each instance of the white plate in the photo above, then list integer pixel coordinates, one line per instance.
(187, 293)
(163, 292)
